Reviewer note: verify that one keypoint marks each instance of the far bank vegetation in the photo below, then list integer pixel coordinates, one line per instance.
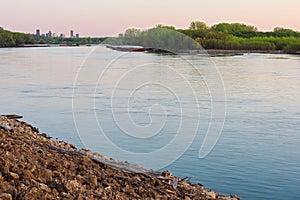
(223, 36)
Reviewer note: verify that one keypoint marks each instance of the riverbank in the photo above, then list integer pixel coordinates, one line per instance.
(210, 52)
(32, 166)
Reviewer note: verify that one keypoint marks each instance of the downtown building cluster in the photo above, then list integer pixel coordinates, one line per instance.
(50, 34)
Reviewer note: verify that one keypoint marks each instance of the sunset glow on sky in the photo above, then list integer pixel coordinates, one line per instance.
(110, 17)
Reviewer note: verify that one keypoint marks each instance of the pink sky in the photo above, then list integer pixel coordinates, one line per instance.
(110, 17)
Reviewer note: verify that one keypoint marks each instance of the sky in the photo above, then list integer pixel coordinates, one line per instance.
(111, 17)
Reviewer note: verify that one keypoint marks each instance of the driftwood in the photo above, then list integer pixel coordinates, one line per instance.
(126, 167)
(13, 116)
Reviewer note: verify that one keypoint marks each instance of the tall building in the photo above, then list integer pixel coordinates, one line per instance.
(38, 32)
(71, 33)
(50, 34)
(77, 35)
(1, 28)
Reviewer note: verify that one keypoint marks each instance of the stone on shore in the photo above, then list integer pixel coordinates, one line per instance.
(34, 167)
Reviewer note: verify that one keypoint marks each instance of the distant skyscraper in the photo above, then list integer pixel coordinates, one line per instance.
(71, 33)
(62, 35)
(77, 35)
(38, 33)
(50, 34)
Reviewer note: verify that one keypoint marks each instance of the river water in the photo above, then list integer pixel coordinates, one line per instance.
(231, 123)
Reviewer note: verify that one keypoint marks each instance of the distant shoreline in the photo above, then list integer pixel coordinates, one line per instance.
(211, 52)
(220, 52)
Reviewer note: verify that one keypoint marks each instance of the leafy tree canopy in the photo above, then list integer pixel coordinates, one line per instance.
(236, 29)
(197, 25)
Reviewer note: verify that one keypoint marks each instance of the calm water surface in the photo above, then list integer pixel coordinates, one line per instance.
(141, 101)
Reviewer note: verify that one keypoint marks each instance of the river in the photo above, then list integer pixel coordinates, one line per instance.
(231, 123)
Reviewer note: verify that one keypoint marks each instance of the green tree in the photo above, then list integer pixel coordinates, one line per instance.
(236, 29)
(132, 32)
(293, 48)
(165, 26)
(283, 32)
(131, 36)
(198, 26)
(19, 38)
(7, 39)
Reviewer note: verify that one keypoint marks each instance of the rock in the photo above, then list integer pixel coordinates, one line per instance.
(66, 196)
(73, 185)
(79, 197)
(45, 187)
(31, 194)
(34, 167)
(7, 128)
(5, 186)
(166, 174)
(234, 197)
(210, 194)
(93, 180)
(224, 198)
(5, 196)
(185, 185)
(28, 175)
(14, 176)
(45, 136)
(105, 158)
(170, 191)
(47, 174)
(174, 184)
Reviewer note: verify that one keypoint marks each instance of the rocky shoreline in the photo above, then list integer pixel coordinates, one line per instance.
(32, 166)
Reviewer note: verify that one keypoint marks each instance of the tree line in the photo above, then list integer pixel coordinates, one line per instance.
(15, 39)
(73, 40)
(224, 36)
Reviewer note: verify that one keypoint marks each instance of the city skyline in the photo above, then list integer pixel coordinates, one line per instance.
(109, 18)
(50, 34)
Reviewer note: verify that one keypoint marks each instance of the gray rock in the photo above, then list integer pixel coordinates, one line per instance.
(7, 128)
